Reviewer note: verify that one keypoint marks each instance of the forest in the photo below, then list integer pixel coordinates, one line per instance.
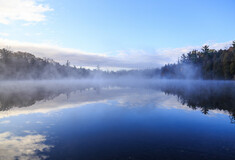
(22, 65)
(205, 64)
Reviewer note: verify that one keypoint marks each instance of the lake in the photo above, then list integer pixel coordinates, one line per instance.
(117, 120)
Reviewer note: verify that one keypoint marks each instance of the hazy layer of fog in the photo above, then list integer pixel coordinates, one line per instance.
(24, 97)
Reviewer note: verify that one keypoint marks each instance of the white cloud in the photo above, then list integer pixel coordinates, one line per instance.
(124, 96)
(127, 59)
(103, 91)
(172, 55)
(3, 34)
(22, 147)
(25, 10)
(5, 122)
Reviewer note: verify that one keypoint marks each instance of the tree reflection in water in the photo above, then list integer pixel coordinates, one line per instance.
(203, 95)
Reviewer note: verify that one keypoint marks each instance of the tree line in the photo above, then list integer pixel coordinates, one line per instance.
(205, 64)
(22, 65)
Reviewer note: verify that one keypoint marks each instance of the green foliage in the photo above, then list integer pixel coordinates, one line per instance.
(207, 64)
(21, 65)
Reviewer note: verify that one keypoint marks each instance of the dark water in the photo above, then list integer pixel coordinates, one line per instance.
(147, 120)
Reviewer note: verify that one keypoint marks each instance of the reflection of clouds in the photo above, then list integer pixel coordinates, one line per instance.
(22, 147)
(217, 111)
(30, 132)
(125, 96)
(27, 122)
(58, 103)
(78, 98)
(39, 122)
(5, 122)
(140, 97)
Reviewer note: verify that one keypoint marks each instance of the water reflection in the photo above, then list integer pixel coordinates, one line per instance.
(114, 120)
(47, 96)
(205, 96)
(26, 147)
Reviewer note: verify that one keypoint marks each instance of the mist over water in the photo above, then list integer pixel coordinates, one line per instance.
(117, 119)
(117, 80)
(195, 94)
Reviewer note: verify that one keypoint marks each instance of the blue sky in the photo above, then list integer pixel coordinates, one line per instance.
(116, 29)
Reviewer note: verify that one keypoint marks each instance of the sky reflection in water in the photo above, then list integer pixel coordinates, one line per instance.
(117, 121)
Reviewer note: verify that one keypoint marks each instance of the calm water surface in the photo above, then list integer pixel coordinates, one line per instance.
(117, 121)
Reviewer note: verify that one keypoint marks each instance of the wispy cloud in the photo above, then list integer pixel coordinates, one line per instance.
(138, 59)
(3, 34)
(5, 122)
(22, 147)
(172, 55)
(25, 10)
